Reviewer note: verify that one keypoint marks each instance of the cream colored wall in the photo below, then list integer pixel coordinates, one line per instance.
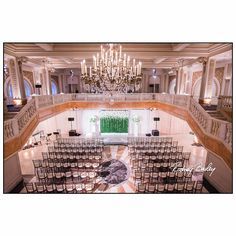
(12, 172)
(167, 125)
(221, 178)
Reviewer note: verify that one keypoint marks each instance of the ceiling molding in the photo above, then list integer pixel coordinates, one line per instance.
(44, 46)
(180, 46)
(152, 55)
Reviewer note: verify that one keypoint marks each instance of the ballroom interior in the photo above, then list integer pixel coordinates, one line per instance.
(117, 118)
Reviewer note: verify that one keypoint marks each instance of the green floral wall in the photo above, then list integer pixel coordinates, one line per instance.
(111, 124)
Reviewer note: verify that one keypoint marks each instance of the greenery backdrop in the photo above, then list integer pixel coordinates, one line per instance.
(114, 124)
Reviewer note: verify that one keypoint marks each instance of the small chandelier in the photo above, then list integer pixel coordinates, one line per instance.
(111, 71)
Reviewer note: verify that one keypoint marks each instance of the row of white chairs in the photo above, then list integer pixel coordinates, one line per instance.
(58, 176)
(71, 157)
(57, 164)
(78, 140)
(152, 176)
(39, 187)
(149, 140)
(181, 187)
(174, 157)
(156, 167)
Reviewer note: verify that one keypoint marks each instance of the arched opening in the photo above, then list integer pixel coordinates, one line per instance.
(54, 87)
(215, 90)
(27, 86)
(172, 86)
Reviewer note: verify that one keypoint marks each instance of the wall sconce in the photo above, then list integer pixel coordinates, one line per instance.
(207, 101)
(17, 101)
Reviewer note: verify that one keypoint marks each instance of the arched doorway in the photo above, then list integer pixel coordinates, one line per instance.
(9, 92)
(172, 86)
(215, 90)
(54, 87)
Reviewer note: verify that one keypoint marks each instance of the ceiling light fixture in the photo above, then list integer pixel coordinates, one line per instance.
(111, 71)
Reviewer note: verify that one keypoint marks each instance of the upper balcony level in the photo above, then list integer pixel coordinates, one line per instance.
(214, 134)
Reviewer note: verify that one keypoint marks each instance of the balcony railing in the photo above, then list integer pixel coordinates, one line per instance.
(216, 128)
(225, 103)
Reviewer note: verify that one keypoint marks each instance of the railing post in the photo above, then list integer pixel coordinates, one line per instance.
(222, 131)
(209, 125)
(36, 99)
(219, 104)
(15, 127)
(53, 100)
(172, 99)
(188, 102)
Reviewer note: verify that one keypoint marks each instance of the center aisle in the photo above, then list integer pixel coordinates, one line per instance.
(120, 153)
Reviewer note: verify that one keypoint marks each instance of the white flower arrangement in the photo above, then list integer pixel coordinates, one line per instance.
(93, 119)
(136, 119)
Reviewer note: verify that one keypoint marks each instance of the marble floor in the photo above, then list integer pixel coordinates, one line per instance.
(120, 153)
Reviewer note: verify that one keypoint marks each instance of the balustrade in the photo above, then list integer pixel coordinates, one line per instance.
(10, 129)
(225, 102)
(181, 100)
(25, 115)
(200, 115)
(57, 99)
(44, 100)
(220, 129)
(165, 98)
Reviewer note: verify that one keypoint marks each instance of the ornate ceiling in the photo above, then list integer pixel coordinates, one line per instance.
(152, 55)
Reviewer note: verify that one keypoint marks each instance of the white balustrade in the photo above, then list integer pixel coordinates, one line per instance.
(58, 98)
(181, 100)
(67, 97)
(199, 114)
(132, 97)
(147, 96)
(165, 98)
(220, 129)
(79, 97)
(26, 114)
(10, 129)
(228, 135)
(225, 102)
(95, 97)
(43, 101)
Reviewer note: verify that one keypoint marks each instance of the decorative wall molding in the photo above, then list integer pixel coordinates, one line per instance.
(29, 76)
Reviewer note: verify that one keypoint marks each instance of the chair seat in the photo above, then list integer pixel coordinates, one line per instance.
(79, 187)
(84, 174)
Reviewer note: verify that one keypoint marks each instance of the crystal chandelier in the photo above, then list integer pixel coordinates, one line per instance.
(111, 71)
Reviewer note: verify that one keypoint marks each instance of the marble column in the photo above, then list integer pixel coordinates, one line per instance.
(163, 80)
(205, 72)
(229, 75)
(167, 83)
(222, 89)
(43, 82)
(21, 80)
(177, 81)
(79, 83)
(189, 80)
(211, 75)
(4, 95)
(65, 84)
(182, 81)
(146, 83)
(47, 78)
(14, 78)
(60, 78)
(37, 81)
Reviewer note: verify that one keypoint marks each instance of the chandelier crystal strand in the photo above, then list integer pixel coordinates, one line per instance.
(111, 71)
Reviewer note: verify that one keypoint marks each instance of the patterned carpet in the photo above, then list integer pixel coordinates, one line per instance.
(113, 171)
(120, 153)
